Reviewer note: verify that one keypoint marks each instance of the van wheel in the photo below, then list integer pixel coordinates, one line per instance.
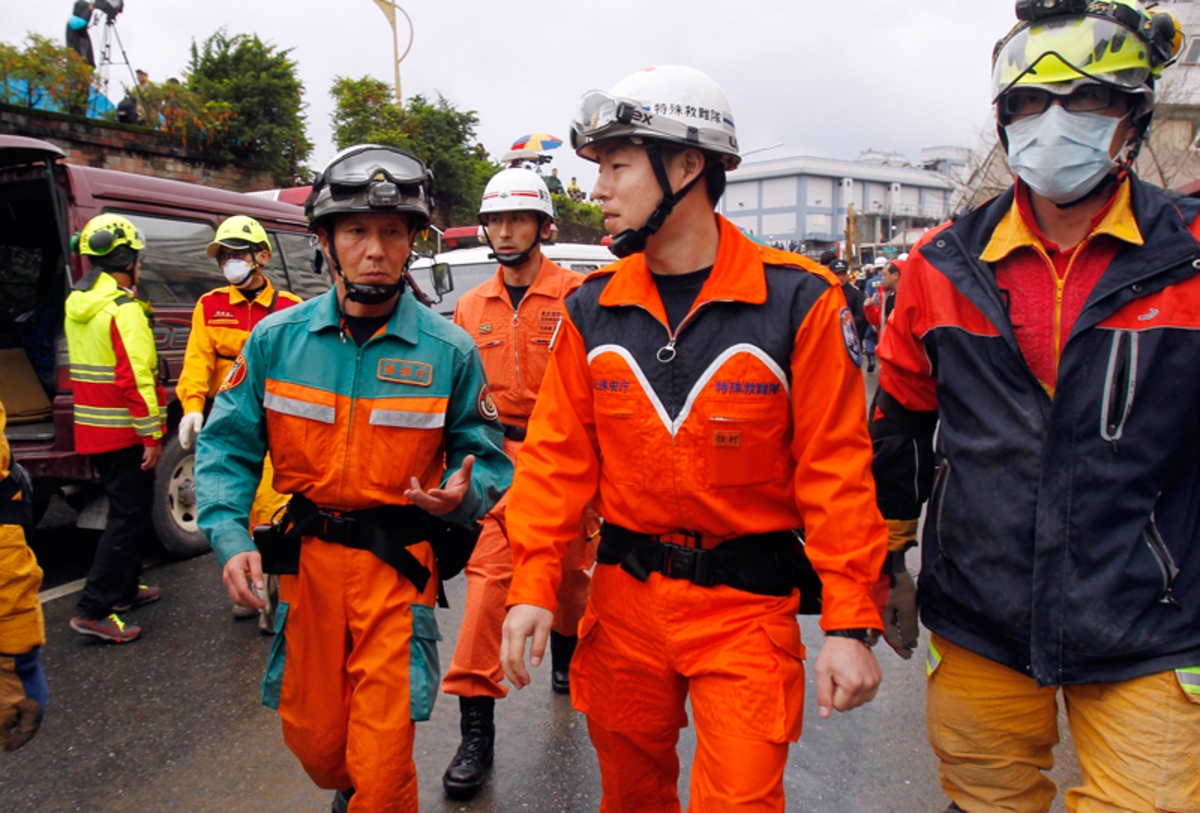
(175, 502)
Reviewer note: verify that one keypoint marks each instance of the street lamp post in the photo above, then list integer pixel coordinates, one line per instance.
(389, 9)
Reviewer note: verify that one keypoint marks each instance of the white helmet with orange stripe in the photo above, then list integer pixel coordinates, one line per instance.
(516, 190)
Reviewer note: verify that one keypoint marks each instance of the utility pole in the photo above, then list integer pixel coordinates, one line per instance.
(389, 9)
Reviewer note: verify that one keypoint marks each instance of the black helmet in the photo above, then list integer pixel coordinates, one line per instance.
(371, 178)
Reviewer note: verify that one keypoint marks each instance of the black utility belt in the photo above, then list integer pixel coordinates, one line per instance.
(514, 433)
(386, 531)
(770, 564)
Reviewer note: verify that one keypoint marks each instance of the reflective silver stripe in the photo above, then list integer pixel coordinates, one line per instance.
(99, 378)
(120, 423)
(932, 660)
(147, 432)
(408, 420)
(300, 409)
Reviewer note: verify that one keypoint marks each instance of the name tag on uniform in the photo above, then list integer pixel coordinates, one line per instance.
(727, 440)
(486, 328)
(405, 372)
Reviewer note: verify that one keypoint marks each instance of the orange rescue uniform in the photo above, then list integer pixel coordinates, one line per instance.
(515, 346)
(748, 418)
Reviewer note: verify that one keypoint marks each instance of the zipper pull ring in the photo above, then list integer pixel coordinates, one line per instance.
(343, 334)
(667, 354)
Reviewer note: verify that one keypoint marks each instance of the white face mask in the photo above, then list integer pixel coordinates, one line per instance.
(1060, 154)
(237, 271)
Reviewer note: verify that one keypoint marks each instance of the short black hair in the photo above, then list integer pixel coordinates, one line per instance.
(827, 256)
(119, 259)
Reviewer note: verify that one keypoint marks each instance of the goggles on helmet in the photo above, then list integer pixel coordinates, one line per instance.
(602, 116)
(366, 166)
(1114, 43)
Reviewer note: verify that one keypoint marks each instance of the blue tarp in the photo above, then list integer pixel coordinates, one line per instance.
(16, 91)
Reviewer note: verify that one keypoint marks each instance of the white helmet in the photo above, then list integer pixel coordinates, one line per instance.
(881, 262)
(669, 103)
(516, 190)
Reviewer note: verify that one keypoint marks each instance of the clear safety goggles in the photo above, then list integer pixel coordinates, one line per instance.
(601, 116)
(374, 164)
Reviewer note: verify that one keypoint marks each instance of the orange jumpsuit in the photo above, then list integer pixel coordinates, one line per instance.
(515, 345)
(221, 324)
(354, 662)
(748, 418)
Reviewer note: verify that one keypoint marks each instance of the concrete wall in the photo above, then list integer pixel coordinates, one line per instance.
(111, 145)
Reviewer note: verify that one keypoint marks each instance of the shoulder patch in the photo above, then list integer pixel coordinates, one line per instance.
(487, 406)
(405, 372)
(850, 337)
(236, 374)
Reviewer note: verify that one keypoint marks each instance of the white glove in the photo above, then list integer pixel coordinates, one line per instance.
(189, 428)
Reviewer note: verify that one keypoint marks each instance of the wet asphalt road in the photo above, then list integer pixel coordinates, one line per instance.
(173, 722)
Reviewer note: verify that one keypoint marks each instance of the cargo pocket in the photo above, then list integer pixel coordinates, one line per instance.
(272, 682)
(619, 429)
(745, 447)
(1189, 681)
(581, 660)
(424, 671)
(789, 655)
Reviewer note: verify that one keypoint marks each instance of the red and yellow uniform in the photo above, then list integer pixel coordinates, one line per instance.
(748, 418)
(515, 346)
(221, 324)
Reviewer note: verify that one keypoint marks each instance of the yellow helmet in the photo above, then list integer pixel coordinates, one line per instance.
(105, 233)
(239, 233)
(1117, 42)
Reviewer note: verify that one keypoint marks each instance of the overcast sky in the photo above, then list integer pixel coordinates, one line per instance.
(828, 78)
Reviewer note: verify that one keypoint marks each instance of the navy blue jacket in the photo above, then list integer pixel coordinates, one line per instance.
(1062, 537)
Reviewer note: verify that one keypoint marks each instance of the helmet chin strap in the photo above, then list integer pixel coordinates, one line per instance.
(367, 294)
(631, 241)
(513, 260)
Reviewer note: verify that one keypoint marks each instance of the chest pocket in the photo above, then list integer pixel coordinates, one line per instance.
(402, 442)
(301, 432)
(744, 444)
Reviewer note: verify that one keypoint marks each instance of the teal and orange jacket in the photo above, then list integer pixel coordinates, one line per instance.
(348, 426)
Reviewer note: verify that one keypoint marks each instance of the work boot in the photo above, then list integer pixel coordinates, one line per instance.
(341, 801)
(562, 649)
(953, 808)
(468, 769)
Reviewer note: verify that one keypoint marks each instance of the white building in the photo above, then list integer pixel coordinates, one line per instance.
(806, 199)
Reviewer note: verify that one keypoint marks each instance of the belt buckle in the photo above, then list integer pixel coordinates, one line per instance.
(690, 564)
(336, 528)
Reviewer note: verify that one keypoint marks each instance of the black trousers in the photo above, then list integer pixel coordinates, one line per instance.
(118, 564)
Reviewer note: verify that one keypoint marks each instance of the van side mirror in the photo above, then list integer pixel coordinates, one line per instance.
(443, 279)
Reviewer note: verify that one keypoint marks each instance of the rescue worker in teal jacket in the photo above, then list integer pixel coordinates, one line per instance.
(378, 418)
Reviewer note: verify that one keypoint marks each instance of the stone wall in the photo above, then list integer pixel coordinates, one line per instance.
(124, 147)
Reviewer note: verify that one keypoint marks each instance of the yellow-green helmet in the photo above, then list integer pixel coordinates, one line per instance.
(105, 233)
(239, 233)
(1117, 42)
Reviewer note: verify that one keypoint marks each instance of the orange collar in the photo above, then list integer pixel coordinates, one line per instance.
(737, 275)
(548, 282)
(1018, 229)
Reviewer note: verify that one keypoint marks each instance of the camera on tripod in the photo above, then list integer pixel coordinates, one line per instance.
(110, 9)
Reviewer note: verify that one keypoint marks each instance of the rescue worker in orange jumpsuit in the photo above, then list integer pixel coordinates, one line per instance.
(119, 414)
(221, 324)
(1038, 387)
(705, 392)
(23, 689)
(512, 318)
(379, 421)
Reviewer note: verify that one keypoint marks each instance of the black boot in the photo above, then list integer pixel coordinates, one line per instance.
(562, 649)
(953, 808)
(341, 801)
(468, 769)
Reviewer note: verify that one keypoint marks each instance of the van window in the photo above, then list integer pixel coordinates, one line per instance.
(175, 268)
(296, 251)
(274, 269)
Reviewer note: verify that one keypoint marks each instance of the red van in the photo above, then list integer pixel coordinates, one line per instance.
(43, 201)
